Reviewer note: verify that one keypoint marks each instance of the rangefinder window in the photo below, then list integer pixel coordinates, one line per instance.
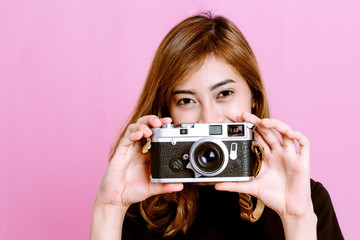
(215, 129)
(183, 131)
(235, 130)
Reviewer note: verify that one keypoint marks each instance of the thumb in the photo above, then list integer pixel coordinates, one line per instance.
(161, 188)
(251, 187)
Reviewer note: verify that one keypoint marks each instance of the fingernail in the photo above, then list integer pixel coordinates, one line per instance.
(148, 132)
(291, 133)
(167, 119)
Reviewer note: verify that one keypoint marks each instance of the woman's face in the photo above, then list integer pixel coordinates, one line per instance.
(214, 93)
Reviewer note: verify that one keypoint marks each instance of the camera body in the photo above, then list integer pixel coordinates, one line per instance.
(202, 152)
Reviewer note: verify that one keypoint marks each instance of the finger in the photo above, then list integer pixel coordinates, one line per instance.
(302, 140)
(268, 134)
(239, 118)
(161, 188)
(251, 187)
(282, 128)
(259, 139)
(144, 124)
(267, 152)
(126, 142)
(245, 116)
(257, 136)
(136, 136)
(166, 120)
(134, 132)
(134, 127)
(150, 120)
(154, 121)
(141, 129)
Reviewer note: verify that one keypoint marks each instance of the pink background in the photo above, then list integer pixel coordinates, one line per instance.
(71, 71)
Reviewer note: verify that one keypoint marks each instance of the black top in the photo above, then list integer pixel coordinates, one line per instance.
(218, 217)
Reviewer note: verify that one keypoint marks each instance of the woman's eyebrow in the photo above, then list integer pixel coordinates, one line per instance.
(215, 86)
(184, 92)
(219, 84)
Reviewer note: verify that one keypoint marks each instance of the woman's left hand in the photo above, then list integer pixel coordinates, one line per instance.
(283, 183)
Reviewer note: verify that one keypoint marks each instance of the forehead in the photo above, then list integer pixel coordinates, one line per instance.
(209, 72)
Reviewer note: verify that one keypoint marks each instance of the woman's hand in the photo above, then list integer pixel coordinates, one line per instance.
(283, 183)
(127, 178)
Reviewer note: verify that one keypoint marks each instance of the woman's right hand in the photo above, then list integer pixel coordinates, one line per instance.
(127, 178)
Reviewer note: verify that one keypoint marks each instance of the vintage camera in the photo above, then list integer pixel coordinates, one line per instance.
(202, 152)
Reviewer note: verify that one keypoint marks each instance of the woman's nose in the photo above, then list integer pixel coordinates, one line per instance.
(210, 113)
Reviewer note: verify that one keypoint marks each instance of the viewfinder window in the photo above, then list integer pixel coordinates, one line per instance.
(236, 130)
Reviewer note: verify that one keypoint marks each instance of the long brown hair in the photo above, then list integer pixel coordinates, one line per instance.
(185, 47)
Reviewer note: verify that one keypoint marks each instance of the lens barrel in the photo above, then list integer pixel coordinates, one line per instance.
(209, 156)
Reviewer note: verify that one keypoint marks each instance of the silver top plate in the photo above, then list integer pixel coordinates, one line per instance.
(194, 131)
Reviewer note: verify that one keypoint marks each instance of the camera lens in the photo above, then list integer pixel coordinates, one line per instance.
(208, 157)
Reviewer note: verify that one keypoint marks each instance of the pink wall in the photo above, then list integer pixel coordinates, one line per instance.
(70, 72)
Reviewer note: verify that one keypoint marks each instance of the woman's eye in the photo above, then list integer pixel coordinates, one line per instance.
(225, 93)
(185, 101)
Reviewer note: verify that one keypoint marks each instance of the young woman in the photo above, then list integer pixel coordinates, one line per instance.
(204, 71)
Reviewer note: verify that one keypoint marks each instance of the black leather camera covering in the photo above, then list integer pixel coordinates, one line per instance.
(165, 153)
